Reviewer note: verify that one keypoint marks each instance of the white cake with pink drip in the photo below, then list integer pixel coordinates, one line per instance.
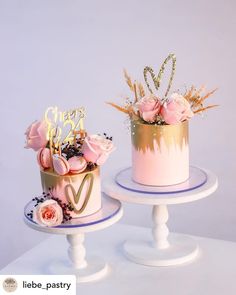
(159, 128)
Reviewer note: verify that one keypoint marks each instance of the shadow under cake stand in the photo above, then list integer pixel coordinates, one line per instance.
(85, 269)
(163, 249)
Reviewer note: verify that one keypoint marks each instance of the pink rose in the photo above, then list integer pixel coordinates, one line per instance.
(149, 107)
(36, 135)
(96, 149)
(176, 110)
(48, 213)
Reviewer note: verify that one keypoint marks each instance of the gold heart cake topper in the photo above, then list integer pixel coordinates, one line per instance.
(157, 79)
(69, 189)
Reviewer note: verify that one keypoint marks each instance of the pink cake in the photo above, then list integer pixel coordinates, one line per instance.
(69, 165)
(159, 128)
(82, 191)
(163, 157)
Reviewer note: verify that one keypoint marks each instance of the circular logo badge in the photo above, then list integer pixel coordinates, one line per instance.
(9, 285)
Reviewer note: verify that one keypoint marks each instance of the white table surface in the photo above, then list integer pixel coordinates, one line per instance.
(213, 272)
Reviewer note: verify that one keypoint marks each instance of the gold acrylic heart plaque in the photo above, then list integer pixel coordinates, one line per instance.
(74, 197)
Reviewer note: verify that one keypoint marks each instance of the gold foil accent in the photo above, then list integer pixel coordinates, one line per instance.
(157, 80)
(76, 196)
(144, 135)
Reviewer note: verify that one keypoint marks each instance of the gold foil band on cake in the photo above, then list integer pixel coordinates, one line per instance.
(144, 136)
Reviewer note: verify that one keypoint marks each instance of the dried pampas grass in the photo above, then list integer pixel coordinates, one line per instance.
(196, 98)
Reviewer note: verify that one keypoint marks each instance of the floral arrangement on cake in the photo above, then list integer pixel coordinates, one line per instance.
(64, 148)
(50, 210)
(151, 108)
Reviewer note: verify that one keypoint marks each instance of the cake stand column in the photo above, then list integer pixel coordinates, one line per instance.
(87, 268)
(163, 249)
(156, 246)
(77, 250)
(160, 230)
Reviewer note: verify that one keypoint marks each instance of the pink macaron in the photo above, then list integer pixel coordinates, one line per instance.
(77, 164)
(44, 158)
(60, 164)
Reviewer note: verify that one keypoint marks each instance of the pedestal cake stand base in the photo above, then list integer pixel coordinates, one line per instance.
(181, 249)
(95, 269)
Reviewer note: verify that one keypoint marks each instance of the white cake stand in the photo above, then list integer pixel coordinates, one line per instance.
(165, 249)
(91, 268)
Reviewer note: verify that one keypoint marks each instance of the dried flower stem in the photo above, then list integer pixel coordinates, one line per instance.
(207, 95)
(135, 92)
(206, 108)
(119, 108)
(196, 99)
(129, 81)
(141, 90)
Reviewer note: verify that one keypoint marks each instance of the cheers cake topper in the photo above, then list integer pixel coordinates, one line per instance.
(68, 122)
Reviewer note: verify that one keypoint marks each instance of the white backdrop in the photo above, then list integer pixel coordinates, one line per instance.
(72, 53)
